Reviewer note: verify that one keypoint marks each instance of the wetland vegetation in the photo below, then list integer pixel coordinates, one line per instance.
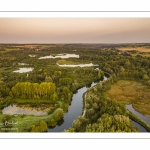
(49, 88)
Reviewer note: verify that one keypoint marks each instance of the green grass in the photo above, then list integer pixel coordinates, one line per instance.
(47, 46)
(132, 92)
(67, 62)
(9, 50)
(25, 122)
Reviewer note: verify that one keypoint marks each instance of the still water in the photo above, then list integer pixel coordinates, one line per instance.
(79, 65)
(14, 109)
(142, 117)
(61, 56)
(74, 110)
(23, 70)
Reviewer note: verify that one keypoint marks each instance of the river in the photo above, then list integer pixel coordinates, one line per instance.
(74, 110)
(142, 117)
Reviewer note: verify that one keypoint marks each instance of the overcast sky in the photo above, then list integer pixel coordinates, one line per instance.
(74, 30)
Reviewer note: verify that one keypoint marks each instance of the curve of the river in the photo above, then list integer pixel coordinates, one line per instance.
(74, 110)
(142, 117)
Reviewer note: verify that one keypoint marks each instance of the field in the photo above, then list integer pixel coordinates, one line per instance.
(136, 48)
(25, 122)
(67, 62)
(132, 92)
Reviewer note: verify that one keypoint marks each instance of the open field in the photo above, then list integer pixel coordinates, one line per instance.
(132, 92)
(136, 48)
(9, 50)
(144, 54)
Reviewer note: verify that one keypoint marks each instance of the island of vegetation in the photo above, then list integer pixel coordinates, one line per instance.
(37, 97)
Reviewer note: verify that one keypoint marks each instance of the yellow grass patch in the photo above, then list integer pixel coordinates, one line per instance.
(137, 48)
(132, 92)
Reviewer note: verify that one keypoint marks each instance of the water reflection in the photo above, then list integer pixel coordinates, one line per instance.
(14, 109)
(60, 122)
(140, 128)
(61, 56)
(88, 85)
(23, 70)
(80, 65)
(74, 110)
(142, 117)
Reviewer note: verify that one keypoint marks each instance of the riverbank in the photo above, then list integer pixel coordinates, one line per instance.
(139, 121)
(135, 93)
(131, 115)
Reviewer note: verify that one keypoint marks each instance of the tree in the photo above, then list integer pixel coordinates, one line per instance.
(99, 75)
(48, 79)
(76, 124)
(52, 123)
(43, 126)
(100, 86)
(59, 114)
(27, 90)
(145, 77)
(127, 64)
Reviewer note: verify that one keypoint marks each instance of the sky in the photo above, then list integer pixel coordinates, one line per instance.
(74, 30)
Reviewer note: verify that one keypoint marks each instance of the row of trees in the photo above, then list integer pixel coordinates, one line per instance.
(109, 123)
(27, 90)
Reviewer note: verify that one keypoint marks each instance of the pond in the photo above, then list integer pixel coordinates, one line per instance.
(23, 70)
(32, 55)
(14, 109)
(80, 65)
(61, 56)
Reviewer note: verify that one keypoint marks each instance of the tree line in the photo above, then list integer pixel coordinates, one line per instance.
(27, 90)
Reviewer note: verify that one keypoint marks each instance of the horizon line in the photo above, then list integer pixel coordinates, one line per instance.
(81, 43)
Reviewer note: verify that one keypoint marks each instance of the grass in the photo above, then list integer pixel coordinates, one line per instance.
(9, 50)
(67, 62)
(144, 54)
(25, 122)
(47, 46)
(137, 48)
(132, 92)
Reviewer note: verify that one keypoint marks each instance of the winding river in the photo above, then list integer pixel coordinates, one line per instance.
(74, 110)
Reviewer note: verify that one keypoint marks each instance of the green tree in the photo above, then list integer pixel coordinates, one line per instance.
(43, 126)
(59, 114)
(145, 77)
(48, 79)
